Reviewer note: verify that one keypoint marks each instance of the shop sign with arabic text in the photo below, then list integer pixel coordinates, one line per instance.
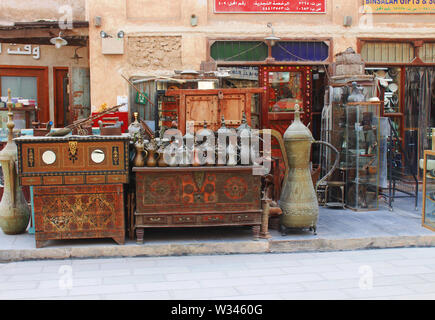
(399, 6)
(272, 6)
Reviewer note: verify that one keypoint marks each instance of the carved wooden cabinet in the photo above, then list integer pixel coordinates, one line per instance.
(196, 197)
(77, 185)
(213, 104)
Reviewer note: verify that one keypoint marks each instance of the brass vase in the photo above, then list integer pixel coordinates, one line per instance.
(298, 200)
(14, 210)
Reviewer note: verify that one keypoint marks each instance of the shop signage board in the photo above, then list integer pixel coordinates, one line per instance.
(399, 6)
(269, 6)
(27, 49)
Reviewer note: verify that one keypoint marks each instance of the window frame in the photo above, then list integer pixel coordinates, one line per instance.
(270, 60)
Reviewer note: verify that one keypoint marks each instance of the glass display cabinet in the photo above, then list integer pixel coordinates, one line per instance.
(428, 219)
(359, 132)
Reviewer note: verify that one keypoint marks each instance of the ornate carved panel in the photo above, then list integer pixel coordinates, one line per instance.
(64, 212)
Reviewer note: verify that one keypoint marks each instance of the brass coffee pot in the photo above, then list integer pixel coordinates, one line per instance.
(298, 200)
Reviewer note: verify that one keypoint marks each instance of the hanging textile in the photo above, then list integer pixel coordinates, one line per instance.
(418, 111)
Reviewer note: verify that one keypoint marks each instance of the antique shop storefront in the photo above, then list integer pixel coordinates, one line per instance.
(406, 75)
(190, 67)
(49, 83)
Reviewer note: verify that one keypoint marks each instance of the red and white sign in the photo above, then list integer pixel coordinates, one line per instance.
(269, 6)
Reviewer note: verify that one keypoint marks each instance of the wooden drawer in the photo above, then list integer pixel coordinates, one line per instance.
(47, 180)
(184, 219)
(74, 179)
(116, 179)
(244, 217)
(149, 220)
(213, 218)
(96, 179)
(30, 181)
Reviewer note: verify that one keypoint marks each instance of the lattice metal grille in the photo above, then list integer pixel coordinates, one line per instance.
(427, 52)
(300, 51)
(388, 52)
(239, 51)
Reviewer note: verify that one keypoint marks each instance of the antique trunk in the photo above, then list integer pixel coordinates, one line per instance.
(196, 197)
(77, 183)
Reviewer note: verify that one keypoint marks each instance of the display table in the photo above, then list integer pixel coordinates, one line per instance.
(196, 197)
(77, 185)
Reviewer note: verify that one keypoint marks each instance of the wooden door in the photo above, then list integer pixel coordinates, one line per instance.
(61, 99)
(232, 107)
(41, 74)
(285, 86)
(202, 108)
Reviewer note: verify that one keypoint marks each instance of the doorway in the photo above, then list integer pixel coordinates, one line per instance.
(61, 97)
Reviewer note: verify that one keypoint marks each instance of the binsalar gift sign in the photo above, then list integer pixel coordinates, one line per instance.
(399, 6)
(269, 6)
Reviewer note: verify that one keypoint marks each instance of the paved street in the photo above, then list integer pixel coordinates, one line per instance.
(371, 274)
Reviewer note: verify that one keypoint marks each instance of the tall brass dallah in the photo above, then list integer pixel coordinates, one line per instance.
(298, 200)
(14, 210)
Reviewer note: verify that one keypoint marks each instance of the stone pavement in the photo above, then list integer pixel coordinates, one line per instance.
(337, 230)
(402, 273)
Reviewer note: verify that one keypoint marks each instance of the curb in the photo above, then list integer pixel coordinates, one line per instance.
(217, 248)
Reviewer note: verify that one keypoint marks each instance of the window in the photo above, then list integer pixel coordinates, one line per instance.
(239, 51)
(23, 87)
(300, 51)
(286, 91)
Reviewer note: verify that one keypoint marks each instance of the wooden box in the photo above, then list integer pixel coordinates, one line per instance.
(196, 197)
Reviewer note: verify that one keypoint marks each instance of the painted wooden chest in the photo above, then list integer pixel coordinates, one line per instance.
(77, 184)
(196, 197)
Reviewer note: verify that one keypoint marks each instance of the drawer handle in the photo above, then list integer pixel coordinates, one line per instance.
(242, 217)
(214, 218)
(155, 219)
(182, 219)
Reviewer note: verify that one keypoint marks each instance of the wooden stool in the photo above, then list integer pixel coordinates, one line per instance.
(334, 184)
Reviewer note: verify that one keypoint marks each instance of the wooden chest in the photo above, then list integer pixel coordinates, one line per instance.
(73, 160)
(77, 185)
(196, 197)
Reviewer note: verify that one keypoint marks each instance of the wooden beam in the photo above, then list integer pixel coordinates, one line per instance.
(42, 25)
(79, 41)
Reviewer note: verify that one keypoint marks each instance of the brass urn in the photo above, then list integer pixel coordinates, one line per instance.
(14, 210)
(298, 200)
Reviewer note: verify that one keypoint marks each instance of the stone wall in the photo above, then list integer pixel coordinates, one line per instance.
(154, 53)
